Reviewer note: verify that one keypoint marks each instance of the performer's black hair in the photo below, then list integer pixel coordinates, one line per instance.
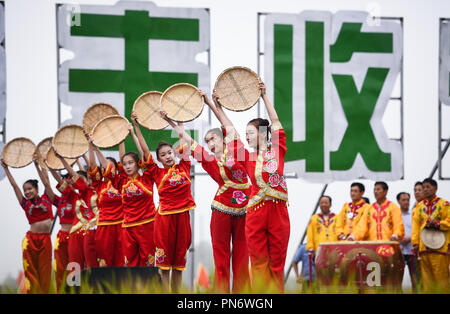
(259, 123)
(133, 155)
(400, 194)
(430, 181)
(113, 160)
(383, 184)
(359, 185)
(33, 182)
(329, 198)
(366, 199)
(160, 145)
(418, 183)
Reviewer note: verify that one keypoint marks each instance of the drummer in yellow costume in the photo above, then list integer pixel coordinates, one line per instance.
(381, 221)
(322, 227)
(351, 213)
(433, 213)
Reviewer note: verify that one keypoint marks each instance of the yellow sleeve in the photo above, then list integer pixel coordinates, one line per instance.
(340, 221)
(415, 231)
(397, 221)
(310, 235)
(444, 223)
(360, 230)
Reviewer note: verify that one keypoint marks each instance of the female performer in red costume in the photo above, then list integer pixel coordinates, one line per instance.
(228, 207)
(172, 223)
(267, 223)
(37, 245)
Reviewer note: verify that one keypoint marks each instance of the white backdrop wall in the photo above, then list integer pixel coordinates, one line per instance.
(32, 104)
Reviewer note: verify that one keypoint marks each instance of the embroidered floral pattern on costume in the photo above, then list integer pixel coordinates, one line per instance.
(176, 179)
(238, 197)
(160, 255)
(150, 261)
(271, 167)
(238, 175)
(112, 192)
(133, 190)
(101, 262)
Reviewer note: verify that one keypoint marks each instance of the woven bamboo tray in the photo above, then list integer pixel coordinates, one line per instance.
(43, 147)
(238, 88)
(147, 107)
(18, 152)
(53, 162)
(95, 113)
(182, 102)
(110, 131)
(70, 141)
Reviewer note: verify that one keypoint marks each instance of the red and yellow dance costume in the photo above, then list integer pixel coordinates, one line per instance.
(227, 218)
(321, 229)
(89, 196)
(379, 223)
(109, 233)
(349, 217)
(138, 242)
(267, 226)
(79, 223)
(37, 247)
(172, 223)
(434, 264)
(66, 214)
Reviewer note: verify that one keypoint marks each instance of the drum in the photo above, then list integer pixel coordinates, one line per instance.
(370, 265)
(432, 238)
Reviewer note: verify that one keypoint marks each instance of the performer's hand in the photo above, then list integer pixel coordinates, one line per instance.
(341, 236)
(202, 93)
(35, 157)
(90, 138)
(215, 98)
(351, 238)
(133, 116)
(262, 87)
(394, 237)
(164, 115)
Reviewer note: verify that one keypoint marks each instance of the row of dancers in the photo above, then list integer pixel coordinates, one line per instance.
(108, 216)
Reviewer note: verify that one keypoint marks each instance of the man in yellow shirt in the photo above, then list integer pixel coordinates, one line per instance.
(382, 221)
(351, 213)
(433, 213)
(322, 227)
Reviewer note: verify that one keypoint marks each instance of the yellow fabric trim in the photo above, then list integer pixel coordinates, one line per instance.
(78, 212)
(63, 186)
(175, 211)
(109, 223)
(75, 228)
(164, 267)
(229, 183)
(225, 208)
(133, 224)
(165, 177)
(264, 189)
(94, 206)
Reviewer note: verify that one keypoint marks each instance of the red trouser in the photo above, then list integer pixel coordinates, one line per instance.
(224, 229)
(61, 253)
(108, 243)
(76, 248)
(172, 239)
(267, 230)
(90, 252)
(37, 261)
(138, 245)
